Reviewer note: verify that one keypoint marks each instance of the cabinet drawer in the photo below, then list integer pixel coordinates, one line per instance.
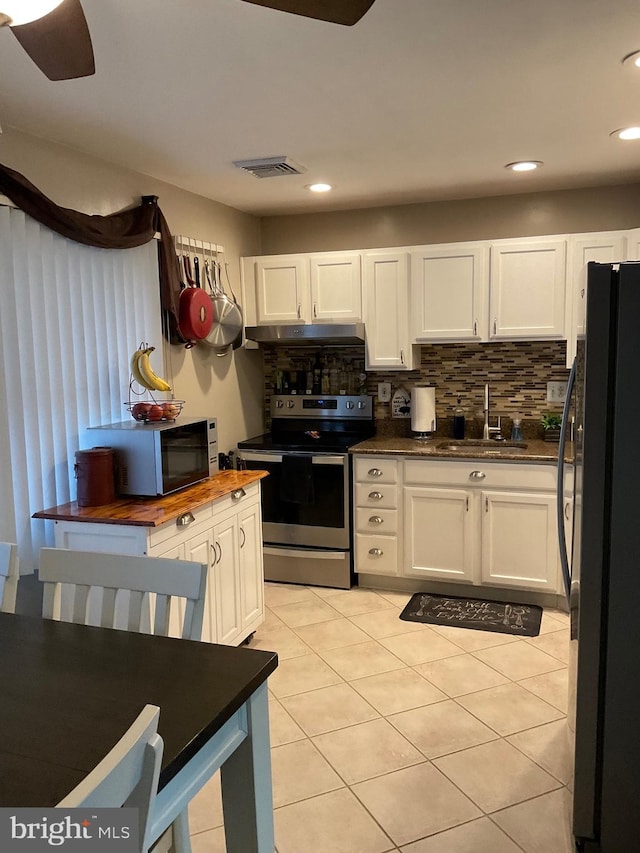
(180, 532)
(380, 495)
(376, 521)
(376, 554)
(477, 472)
(374, 469)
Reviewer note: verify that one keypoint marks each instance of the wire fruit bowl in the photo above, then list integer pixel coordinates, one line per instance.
(151, 412)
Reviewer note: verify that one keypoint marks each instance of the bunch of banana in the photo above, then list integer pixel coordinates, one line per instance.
(143, 372)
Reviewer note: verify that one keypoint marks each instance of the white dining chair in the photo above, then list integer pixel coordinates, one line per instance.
(8, 576)
(110, 574)
(127, 776)
(83, 571)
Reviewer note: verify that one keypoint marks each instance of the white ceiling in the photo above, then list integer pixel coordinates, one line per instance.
(421, 100)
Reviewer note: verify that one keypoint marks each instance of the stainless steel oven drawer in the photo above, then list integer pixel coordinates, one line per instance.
(307, 566)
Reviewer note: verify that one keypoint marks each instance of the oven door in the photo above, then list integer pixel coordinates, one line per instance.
(319, 518)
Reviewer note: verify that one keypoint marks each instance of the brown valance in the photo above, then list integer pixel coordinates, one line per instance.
(123, 230)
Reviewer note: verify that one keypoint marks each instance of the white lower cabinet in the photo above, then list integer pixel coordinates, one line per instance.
(467, 521)
(439, 533)
(519, 541)
(226, 535)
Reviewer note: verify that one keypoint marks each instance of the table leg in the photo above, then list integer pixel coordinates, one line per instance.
(247, 798)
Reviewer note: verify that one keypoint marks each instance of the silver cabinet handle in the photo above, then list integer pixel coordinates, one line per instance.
(244, 537)
(477, 475)
(315, 310)
(376, 552)
(376, 496)
(495, 327)
(239, 493)
(219, 557)
(486, 504)
(185, 519)
(374, 472)
(299, 310)
(375, 519)
(567, 507)
(475, 327)
(216, 557)
(401, 356)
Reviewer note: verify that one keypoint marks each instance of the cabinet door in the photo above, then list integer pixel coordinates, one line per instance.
(603, 248)
(440, 540)
(527, 290)
(447, 292)
(282, 288)
(251, 566)
(336, 289)
(633, 245)
(200, 550)
(226, 574)
(519, 540)
(386, 314)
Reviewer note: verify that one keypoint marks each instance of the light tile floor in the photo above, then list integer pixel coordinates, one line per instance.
(392, 737)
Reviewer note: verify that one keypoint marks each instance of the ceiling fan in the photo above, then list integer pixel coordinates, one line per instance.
(55, 34)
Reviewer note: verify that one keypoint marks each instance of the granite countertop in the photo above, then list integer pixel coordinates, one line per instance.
(152, 512)
(531, 450)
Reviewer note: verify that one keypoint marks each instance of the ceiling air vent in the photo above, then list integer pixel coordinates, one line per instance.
(270, 167)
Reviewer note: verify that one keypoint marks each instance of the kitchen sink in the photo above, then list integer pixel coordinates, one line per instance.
(490, 447)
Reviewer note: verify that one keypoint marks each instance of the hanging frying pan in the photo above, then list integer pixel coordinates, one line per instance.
(195, 308)
(226, 329)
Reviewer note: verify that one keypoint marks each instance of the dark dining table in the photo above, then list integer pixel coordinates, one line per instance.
(68, 692)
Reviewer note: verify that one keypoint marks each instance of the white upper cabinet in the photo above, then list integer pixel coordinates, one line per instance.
(336, 289)
(603, 248)
(305, 289)
(448, 286)
(527, 289)
(386, 311)
(282, 289)
(633, 245)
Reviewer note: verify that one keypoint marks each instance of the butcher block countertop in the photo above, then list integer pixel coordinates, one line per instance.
(536, 450)
(152, 512)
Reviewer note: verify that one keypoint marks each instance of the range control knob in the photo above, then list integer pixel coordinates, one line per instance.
(279, 404)
(349, 404)
(362, 404)
(290, 404)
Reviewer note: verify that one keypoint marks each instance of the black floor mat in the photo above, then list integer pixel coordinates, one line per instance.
(522, 620)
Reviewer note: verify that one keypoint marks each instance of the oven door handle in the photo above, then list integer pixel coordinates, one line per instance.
(277, 457)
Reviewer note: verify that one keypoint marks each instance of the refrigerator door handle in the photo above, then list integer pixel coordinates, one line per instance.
(562, 539)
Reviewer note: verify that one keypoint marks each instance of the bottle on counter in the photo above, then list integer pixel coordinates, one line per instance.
(516, 430)
(458, 421)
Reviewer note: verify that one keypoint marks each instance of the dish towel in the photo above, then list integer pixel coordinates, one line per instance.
(296, 479)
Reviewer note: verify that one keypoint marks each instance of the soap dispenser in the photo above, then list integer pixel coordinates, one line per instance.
(516, 430)
(458, 421)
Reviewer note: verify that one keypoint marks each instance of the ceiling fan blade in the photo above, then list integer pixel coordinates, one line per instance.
(59, 43)
(347, 12)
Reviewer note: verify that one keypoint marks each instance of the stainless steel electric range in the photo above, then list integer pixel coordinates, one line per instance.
(306, 500)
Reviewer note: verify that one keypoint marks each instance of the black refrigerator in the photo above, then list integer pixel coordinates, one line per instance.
(603, 571)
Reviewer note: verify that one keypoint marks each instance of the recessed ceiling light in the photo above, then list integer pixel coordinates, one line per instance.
(632, 59)
(626, 133)
(20, 12)
(319, 188)
(524, 165)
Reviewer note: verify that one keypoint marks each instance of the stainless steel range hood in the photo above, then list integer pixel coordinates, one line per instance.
(338, 334)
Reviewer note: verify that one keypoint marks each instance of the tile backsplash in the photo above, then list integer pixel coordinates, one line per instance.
(517, 373)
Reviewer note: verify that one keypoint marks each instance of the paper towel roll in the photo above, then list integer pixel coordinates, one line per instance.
(423, 409)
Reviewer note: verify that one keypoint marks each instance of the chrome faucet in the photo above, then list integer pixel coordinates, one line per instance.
(489, 431)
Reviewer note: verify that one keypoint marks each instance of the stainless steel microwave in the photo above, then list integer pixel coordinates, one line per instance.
(159, 458)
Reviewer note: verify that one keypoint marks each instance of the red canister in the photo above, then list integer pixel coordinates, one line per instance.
(95, 475)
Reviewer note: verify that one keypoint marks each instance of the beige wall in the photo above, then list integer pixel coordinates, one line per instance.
(229, 388)
(566, 211)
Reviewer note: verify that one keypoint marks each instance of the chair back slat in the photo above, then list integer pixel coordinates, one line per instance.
(127, 775)
(135, 578)
(9, 574)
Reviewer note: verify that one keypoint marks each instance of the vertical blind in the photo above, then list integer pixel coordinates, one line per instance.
(70, 317)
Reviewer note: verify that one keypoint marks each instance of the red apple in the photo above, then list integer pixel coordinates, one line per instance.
(140, 411)
(156, 413)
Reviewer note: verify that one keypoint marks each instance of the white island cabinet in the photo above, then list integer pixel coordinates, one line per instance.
(218, 526)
